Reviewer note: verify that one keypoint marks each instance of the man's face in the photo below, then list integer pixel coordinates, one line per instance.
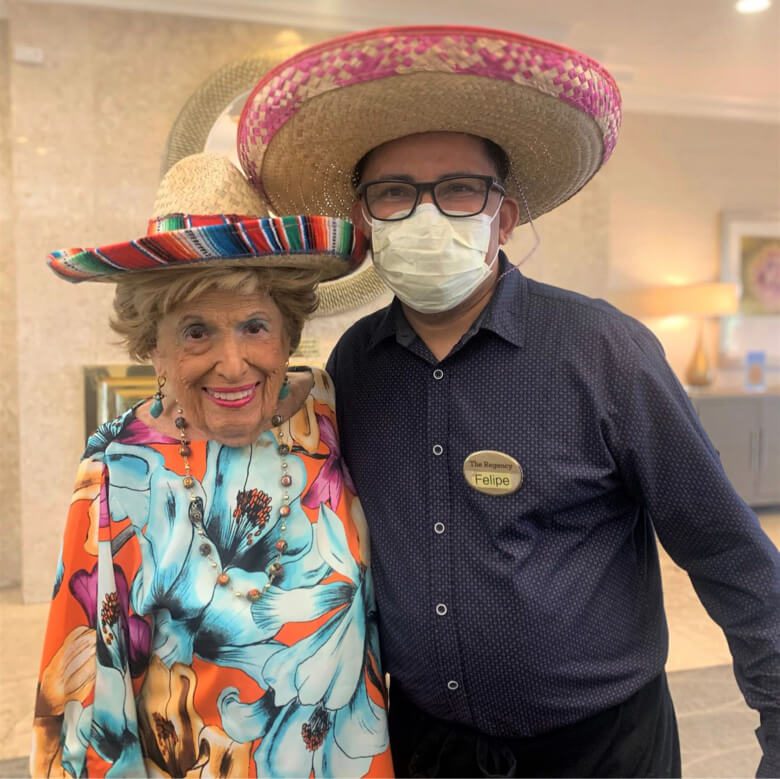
(428, 157)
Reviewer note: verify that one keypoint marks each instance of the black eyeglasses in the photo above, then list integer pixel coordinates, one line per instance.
(391, 200)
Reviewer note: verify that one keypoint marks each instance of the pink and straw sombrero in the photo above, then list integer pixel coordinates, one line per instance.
(554, 111)
(207, 214)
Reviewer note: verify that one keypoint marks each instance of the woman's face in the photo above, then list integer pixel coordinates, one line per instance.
(224, 357)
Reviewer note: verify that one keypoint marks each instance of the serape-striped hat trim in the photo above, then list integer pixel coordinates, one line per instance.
(328, 244)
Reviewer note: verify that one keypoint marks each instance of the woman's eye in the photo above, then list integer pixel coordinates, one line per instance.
(255, 326)
(195, 332)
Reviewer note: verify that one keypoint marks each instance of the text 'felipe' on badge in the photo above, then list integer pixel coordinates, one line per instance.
(493, 473)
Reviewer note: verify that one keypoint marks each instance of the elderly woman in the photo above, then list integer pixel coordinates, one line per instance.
(213, 610)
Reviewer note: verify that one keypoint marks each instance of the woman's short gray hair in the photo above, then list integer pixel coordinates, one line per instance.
(142, 299)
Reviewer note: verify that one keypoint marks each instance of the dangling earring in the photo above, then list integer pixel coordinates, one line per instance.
(157, 404)
(284, 390)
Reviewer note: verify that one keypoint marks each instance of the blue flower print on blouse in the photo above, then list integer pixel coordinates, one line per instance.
(239, 498)
(320, 683)
(106, 433)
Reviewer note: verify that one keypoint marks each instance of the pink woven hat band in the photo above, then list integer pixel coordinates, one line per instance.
(309, 121)
(207, 214)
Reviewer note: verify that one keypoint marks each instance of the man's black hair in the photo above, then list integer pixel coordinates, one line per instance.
(495, 154)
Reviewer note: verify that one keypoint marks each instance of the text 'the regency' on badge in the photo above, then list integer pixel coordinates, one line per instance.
(493, 473)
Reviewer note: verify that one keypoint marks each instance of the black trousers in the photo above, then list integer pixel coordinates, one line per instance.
(637, 738)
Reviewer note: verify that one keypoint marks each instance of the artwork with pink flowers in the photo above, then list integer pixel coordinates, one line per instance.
(750, 257)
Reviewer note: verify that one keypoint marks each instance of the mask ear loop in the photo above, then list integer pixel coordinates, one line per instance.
(537, 238)
(498, 248)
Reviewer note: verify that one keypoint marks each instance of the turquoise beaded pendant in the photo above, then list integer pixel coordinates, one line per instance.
(157, 406)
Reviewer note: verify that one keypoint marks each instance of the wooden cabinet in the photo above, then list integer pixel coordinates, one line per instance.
(745, 429)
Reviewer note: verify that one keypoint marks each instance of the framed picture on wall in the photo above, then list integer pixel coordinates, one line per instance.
(750, 257)
(109, 390)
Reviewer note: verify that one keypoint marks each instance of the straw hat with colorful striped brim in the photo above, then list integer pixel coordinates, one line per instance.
(207, 214)
(310, 120)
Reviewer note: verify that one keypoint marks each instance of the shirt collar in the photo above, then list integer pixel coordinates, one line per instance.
(388, 323)
(504, 315)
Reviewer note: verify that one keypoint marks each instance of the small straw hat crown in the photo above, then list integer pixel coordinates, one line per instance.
(206, 183)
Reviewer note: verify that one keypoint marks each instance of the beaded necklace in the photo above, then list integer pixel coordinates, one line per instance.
(195, 511)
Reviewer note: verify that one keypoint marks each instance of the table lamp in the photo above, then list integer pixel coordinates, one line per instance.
(702, 300)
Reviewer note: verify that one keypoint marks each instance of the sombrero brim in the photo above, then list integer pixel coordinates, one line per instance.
(331, 246)
(554, 111)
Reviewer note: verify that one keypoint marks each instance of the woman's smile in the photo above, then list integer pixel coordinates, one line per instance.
(224, 357)
(232, 397)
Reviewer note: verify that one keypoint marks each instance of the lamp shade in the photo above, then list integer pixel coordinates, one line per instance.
(715, 298)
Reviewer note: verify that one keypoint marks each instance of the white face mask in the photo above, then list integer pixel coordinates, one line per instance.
(430, 261)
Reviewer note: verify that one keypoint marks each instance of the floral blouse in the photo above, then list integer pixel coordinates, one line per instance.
(151, 666)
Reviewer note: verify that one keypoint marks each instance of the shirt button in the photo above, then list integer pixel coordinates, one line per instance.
(438, 374)
(452, 685)
(441, 609)
(438, 528)
(438, 449)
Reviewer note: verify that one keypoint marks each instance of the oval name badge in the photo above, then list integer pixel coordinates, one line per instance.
(493, 473)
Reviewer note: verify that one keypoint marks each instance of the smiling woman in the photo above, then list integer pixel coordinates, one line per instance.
(220, 337)
(213, 610)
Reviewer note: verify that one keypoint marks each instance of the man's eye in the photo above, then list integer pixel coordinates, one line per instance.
(458, 188)
(393, 192)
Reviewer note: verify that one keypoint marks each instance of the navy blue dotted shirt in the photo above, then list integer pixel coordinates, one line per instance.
(515, 614)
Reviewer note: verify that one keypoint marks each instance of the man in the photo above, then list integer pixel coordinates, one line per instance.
(516, 447)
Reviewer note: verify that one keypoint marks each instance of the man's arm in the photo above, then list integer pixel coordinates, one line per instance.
(670, 465)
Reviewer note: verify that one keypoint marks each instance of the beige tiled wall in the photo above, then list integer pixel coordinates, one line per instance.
(573, 249)
(10, 526)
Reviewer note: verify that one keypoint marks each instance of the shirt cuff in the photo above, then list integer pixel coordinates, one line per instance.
(768, 734)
